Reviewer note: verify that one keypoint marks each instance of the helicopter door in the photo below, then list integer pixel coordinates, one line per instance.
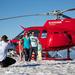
(43, 38)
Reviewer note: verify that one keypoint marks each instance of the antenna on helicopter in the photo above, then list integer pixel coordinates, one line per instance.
(56, 13)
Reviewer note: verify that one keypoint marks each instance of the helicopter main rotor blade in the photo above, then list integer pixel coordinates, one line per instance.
(6, 18)
(65, 16)
(56, 12)
(73, 9)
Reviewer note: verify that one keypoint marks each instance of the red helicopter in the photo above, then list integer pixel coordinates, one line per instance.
(55, 35)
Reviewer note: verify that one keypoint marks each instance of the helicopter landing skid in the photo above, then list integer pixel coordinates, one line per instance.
(56, 55)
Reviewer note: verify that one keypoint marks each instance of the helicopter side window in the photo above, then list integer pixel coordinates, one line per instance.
(44, 34)
(36, 32)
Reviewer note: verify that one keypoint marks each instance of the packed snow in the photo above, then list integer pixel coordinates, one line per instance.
(42, 67)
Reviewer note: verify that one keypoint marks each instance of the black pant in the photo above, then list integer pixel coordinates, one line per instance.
(7, 61)
(27, 54)
(34, 49)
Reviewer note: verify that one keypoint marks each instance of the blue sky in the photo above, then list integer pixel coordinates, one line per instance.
(10, 8)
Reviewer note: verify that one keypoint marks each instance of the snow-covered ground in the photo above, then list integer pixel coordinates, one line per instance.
(44, 67)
